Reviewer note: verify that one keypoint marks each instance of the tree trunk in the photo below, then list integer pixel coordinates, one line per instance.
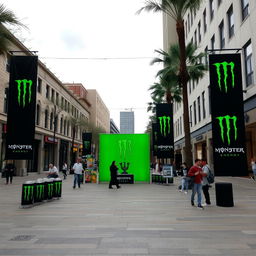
(183, 76)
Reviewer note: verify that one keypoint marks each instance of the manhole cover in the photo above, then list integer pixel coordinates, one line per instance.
(22, 238)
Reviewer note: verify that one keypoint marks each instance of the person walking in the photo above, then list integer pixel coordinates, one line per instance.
(64, 170)
(9, 171)
(196, 172)
(113, 176)
(184, 179)
(205, 183)
(78, 168)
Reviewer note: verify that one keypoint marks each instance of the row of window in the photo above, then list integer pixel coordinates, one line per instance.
(53, 96)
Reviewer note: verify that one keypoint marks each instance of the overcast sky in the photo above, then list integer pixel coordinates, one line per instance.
(96, 29)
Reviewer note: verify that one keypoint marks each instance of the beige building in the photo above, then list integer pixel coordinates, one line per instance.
(218, 24)
(53, 99)
(100, 115)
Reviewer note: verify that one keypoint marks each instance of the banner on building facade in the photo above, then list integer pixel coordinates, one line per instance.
(165, 137)
(87, 143)
(228, 128)
(154, 138)
(21, 107)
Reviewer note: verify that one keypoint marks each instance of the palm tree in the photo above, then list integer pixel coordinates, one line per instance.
(177, 9)
(7, 17)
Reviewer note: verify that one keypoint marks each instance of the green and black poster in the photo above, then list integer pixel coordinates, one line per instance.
(21, 107)
(165, 138)
(154, 138)
(228, 129)
(87, 142)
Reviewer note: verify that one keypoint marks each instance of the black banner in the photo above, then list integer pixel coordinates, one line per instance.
(228, 129)
(165, 137)
(154, 138)
(87, 142)
(21, 107)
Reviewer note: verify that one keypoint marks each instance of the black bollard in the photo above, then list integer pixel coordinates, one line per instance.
(224, 194)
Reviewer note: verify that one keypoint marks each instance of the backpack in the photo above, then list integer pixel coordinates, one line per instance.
(210, 177)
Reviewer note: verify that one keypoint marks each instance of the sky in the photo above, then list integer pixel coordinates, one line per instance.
(102, 44)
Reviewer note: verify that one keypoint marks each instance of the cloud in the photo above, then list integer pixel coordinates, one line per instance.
(72, 40)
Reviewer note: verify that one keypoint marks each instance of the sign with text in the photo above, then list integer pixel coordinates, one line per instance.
(165, 138)
(228, 129)
(21, 107)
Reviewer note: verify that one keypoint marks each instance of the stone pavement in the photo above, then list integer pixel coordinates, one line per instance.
(139, 219)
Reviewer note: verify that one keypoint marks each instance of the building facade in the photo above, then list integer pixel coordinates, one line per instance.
(127, 122)
(218, 24)
(56, 110)
(113, 128)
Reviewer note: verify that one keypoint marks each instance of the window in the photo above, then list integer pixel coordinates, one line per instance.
(191, 16)
(47, 94)
(46, 118)
(180, 125)
(248, 63)
(209, 94)
(230, 21)
(199, 108)
(206, 55)
(57, 99)
(195, 119)
(211, 9)
(189, 84)
(51, 121)
(39, 85)
(204, 20)
(65, 127)
(6, 91)
(37, 114)
(61, 125)
(195, 35)
(199, 32)
(190, 115)
(213, 42)
(222, 35)
(245, 8)
(8, 62)
(53, 94)
(203, 101)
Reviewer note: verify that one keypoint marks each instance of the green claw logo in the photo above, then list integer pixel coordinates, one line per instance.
(124, 149)
(28, 192)
(227, 120)
(58, 187)
(165, 125)
(225, 66)
(86, 144)
(22, 86)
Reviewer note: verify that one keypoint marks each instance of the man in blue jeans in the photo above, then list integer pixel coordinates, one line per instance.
(78, 168)
(197, 172)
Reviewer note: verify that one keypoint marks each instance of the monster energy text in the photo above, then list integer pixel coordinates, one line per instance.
(22, 87)
(225, 66)
(226, 120)
(165, 125)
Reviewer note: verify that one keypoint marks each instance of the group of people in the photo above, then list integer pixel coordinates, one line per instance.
(197, 176)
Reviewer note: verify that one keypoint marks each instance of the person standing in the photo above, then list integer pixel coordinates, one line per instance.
(253, 163)
(78, 168)
(9, 171)
(64, 170)
(184, 179)
(205, 183)
(113, 176)
(196, 172)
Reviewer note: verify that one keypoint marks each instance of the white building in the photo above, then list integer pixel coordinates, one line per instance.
(218, 24)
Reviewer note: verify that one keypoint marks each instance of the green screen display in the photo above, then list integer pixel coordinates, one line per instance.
(131, 153)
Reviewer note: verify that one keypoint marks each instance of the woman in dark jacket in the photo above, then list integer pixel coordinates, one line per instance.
(113, 174)
(9, 171)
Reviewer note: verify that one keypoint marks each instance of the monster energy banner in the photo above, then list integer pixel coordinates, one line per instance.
(21, 107)
(228, 128)
(87, 141)
(165, 139)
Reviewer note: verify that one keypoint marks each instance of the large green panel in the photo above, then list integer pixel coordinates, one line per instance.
(125, 148)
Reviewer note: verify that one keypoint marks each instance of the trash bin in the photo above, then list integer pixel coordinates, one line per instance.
(39, 191)
(57, 187)
(48, 188)
(224, 194)
(27, 195)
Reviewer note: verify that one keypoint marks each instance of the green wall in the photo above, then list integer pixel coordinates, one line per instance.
(125, 148)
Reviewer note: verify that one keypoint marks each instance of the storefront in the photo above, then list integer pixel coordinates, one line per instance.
(49, 150)
(32, 165)
(63, 153)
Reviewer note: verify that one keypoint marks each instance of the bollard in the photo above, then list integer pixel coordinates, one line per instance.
(224, 194)
(39, 191)
(57, 187)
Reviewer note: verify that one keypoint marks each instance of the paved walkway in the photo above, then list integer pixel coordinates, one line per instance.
(140, 219)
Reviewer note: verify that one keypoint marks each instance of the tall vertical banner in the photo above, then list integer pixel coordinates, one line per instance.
(165, 137)
(87, 143)
(228, 129)
(154, 138)
(21, 107)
